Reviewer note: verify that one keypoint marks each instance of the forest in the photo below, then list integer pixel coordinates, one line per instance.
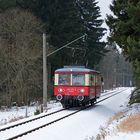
(22, 23)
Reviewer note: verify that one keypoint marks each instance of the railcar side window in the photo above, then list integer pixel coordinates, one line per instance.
(64, 79)
(92, 80)
(78, 79)
(98, 82)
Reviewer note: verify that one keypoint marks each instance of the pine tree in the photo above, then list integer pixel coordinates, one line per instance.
(125, 27)
(5, 4)
(125, 30)
(62, 23)
(91, 21)
(67, 20)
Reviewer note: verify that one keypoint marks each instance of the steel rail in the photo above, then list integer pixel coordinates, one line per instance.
(42, 126)
(12, 126)
(105, 94)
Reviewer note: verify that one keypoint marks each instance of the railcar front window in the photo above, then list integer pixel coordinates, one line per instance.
(78, 79)
(64, 79)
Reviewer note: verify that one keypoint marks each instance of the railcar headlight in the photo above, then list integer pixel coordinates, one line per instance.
(80, 98)
(60, 90)
(59, 97)
(82, 90)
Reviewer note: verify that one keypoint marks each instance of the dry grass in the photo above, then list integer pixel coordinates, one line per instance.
(103, 133)
(104, 130)
(130, 124)
(117, 116)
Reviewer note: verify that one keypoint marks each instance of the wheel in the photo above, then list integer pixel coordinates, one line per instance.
(92, 102)
(65, 106)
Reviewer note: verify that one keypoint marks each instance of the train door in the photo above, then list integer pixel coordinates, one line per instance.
(92, 86)
(98, 85)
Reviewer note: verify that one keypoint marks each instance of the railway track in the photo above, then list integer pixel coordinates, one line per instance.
(42, 116)
(24, 122)
(110, 92)
(8, 133)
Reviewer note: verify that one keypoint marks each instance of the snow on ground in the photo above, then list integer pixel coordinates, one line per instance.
(124, 136)
(113, 132)
(85, 125)
(19, 113)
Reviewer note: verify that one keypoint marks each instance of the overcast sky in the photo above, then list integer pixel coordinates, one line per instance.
(104, 6)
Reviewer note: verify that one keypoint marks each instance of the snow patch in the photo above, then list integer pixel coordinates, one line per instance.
(111, 130)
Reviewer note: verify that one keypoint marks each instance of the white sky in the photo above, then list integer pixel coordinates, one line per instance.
(104, 7)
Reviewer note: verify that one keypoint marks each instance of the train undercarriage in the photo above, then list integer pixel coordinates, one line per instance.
(76, 101)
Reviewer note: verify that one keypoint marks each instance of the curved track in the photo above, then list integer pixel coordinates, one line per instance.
(44, 121)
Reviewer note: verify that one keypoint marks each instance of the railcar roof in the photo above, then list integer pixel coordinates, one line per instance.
(76, 69)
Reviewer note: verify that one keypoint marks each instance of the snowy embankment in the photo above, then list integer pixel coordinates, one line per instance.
(124, 125)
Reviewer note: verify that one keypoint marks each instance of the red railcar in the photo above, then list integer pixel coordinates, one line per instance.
(77, 85)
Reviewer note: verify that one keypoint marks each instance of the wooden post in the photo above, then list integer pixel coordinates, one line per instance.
(44, 72)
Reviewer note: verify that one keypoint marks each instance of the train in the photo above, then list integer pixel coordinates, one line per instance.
(77, 86)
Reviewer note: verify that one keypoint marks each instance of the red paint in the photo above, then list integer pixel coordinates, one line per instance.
(75, 90)
(91, 91)
(71, 90)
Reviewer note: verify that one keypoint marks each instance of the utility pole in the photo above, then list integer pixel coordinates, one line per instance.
(44, 72)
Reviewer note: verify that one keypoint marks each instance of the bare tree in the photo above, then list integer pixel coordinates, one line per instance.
(115, 70)
(20, 51)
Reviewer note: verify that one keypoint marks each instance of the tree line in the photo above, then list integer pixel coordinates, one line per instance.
(125, 31)
(124, 28)
(116, 71)
(22, 23)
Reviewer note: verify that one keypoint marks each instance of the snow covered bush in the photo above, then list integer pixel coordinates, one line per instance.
(135, 96)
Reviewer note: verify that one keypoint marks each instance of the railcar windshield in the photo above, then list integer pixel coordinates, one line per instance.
(78, 79)
(64, 79)
(71, 79)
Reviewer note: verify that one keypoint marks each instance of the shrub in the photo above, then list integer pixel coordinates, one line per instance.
(135, 96)
(37, 112)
